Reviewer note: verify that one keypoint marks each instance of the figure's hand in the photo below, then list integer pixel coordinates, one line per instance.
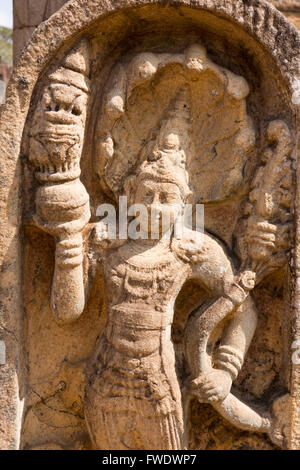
(261, 238)
(212, 387)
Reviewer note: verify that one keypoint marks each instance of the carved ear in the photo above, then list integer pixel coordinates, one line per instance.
(130, 188)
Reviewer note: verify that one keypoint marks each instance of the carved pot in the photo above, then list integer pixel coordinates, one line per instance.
(63, 202)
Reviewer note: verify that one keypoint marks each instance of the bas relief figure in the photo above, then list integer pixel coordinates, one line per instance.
(172, 129)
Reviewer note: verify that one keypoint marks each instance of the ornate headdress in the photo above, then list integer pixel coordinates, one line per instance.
(74, 70)
(165, 159)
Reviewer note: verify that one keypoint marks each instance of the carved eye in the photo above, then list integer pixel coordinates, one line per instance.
(57, 108)
(76, 111)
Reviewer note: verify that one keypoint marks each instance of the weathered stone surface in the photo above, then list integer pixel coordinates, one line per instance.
(294, 17)
(290, 8)
(160, 343)
(20, 38)
(29, 14)
(286, 5)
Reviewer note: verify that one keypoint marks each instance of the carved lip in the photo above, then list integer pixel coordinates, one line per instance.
(55, 131)
(60, 176)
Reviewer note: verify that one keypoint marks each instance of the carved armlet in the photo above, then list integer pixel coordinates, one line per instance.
(230, 360)
(69, 252)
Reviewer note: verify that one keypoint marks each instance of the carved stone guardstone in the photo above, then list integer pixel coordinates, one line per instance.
(160, 341)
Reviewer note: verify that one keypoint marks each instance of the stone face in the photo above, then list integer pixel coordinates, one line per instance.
(161, 339)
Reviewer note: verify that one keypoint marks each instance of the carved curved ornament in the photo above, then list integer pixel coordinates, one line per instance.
(154, 341)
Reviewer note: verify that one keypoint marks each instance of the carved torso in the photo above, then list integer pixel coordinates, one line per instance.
(142, 283)
(142, 289)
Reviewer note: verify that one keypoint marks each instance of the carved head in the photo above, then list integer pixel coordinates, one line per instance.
(163, 189)
(161, 183)
(59, 120)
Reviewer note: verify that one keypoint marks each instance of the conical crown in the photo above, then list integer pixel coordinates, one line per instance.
(166, 162)
(75, 68)
(174, 134)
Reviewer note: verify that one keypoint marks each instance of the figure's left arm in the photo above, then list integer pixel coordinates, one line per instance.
(211, 378)
(214, 384)
(237, 338)
(231, 353)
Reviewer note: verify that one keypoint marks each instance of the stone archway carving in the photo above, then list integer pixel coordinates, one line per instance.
(205, 89)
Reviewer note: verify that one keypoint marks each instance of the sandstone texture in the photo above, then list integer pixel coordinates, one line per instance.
(286, 5)
(28, 14)
(167, 337)
(290, 8)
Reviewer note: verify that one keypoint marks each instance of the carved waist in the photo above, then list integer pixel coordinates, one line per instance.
(138, 316)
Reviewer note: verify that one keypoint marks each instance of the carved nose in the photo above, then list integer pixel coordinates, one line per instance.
(61, 117)
(155, 201)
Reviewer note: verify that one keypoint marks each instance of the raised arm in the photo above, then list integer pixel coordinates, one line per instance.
(67, 206)
(62, 202)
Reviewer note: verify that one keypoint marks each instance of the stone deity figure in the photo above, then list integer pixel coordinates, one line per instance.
(133, 396)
